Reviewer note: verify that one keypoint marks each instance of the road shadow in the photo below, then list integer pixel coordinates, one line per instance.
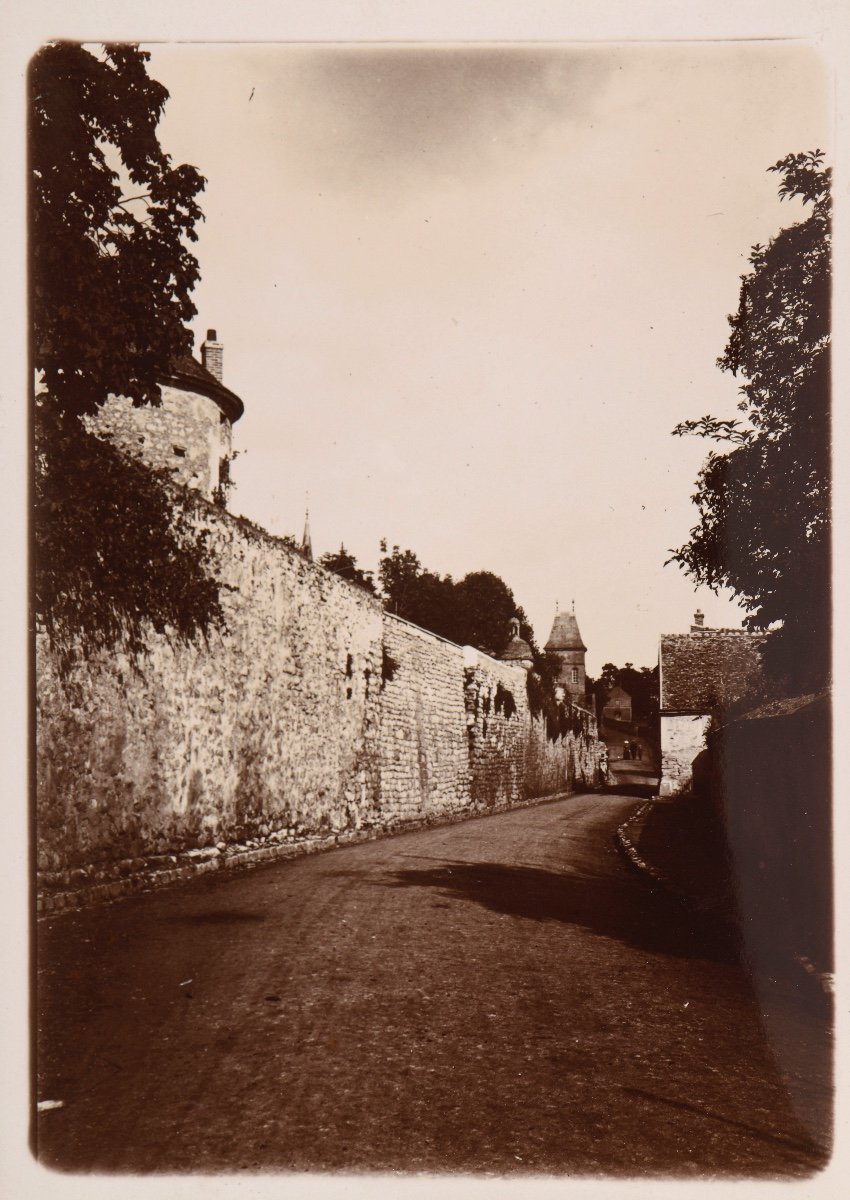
(804, 1148)
(222, 916)
(641, 791)
(610, 907)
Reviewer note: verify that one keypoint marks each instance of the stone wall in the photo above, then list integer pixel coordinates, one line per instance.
(578, 760)
(316, 718)
(708, 668)
(425, 768)
(770, 777)
(682, 739)
(269, 734)
(187, 434)
(499, 730)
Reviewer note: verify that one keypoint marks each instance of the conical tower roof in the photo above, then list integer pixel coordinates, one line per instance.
(565, 634)
(517, 650)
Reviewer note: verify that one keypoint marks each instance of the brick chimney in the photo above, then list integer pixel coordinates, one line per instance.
(699, 618)
(212, 353)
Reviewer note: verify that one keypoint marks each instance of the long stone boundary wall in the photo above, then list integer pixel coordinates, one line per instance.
(316, 719)
(770, 777)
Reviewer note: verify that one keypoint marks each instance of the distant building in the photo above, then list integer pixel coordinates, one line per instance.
(568, 650)
(699, 674)
(189, 433)
(618, 705)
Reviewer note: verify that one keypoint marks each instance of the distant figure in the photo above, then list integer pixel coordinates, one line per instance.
(627, 750)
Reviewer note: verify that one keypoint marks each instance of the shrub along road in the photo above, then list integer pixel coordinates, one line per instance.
(503, 995)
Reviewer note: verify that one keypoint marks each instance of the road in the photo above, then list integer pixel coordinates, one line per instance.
(503, 995)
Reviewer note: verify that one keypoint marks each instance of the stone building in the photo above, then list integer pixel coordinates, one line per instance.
(190, 432)
(700, 672)
(567, 648)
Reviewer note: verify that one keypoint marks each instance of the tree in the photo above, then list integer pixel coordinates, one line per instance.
(110, 274)
(110, 283)
(474, 611)
(341, 563)
(764, 504)
(398, 572)
(485, 607)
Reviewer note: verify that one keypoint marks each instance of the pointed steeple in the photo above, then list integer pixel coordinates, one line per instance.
(306, 541)
(565, 633)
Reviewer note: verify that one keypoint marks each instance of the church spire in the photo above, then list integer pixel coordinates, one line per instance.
(306, 541)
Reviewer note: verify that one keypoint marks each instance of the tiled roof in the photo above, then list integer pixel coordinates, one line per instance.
(701, 671)
(565, 634)
(189, 371)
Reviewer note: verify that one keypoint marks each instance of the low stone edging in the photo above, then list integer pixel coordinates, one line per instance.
(626, 847)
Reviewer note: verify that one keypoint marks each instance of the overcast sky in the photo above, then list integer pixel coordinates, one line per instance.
(466, 293)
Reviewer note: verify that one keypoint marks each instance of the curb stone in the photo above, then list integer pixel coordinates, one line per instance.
(624, 839)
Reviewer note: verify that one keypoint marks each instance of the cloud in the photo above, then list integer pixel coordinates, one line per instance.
(356, 115)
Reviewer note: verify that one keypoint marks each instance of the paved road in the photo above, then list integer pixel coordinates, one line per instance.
(503, 995)
(628, 772)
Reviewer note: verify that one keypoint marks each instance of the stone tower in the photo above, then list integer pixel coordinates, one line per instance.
(189, 432)
(567, 648)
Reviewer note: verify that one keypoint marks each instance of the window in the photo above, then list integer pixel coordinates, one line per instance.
(574, 675)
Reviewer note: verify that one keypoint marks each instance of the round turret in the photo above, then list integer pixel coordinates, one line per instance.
(518, 651)
(189, 432)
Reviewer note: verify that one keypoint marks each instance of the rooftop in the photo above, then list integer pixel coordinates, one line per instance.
(565, 633)
(189, 373)
(708, 668)
(517, 650)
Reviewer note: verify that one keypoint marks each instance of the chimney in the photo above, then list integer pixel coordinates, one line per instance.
(699, 618)
(212, 352)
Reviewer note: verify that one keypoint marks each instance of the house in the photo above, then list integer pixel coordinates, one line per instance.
(618, 705)
(700, 673)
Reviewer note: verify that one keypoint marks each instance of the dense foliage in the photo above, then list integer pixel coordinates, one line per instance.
(106, 533)
(764, 503)
(110, 279)
(341, 562)
(474, 611)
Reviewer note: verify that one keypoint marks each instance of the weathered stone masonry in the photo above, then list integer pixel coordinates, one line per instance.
(699, 673)
(317, 718)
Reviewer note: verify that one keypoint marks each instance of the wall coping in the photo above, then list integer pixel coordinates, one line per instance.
(471, 655)
(685, 712)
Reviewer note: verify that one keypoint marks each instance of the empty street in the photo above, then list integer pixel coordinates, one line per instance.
(503, 995)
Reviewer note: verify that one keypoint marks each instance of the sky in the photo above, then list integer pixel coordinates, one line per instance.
(467, 291)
